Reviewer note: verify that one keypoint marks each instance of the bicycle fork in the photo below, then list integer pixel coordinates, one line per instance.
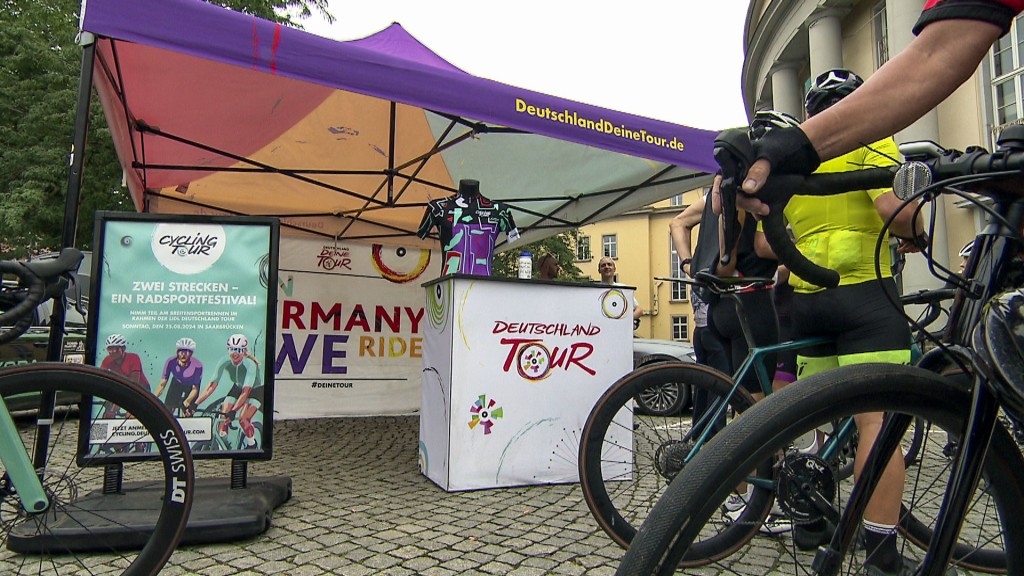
(27, 483)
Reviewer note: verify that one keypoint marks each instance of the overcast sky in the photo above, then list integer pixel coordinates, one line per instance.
(674, 60)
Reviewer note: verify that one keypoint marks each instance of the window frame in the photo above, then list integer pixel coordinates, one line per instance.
(610, 245)
(681, 321)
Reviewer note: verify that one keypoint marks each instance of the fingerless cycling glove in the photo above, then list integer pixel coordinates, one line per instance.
(788, 150)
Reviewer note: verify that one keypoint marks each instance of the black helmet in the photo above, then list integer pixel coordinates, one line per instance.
(830, 87)
(1000, 341)
(765, 120)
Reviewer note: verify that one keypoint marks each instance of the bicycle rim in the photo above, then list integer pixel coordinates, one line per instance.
(691, 505)
(133, 531)
(627, 458)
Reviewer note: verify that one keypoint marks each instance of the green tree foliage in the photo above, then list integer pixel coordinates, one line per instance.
(40, 65)
(561, 246)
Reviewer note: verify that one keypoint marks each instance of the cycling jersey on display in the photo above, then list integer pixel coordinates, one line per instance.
(840, 231)
(468, 227)
(998, 12)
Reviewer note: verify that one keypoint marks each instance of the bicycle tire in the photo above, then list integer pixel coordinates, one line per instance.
(692, 499)
(42, 544)
(621, 482)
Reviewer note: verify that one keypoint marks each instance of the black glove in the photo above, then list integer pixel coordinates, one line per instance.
(788, 150)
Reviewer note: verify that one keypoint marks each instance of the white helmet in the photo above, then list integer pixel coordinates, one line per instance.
(966, 250)
(767, 120)
(186, 344)
(116, 340)
(238, 341)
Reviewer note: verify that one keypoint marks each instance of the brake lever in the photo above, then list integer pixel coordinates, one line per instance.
(734, 153)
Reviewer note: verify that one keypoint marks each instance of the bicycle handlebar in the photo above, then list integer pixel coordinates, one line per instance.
(929, 164)
(37, 281)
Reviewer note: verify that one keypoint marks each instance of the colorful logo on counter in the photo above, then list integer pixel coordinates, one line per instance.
(484, 413)
(399, 264)
(534, 361)
(613, 303)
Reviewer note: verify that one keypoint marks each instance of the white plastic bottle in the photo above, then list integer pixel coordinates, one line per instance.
(525, 265)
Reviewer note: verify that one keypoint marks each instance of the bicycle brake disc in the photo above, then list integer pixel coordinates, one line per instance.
(806, 486)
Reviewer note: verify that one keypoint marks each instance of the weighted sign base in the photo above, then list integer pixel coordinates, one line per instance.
(99, 522)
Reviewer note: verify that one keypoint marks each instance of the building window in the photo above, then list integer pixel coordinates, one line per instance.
(676, 200)
(880, 25)
(1007, 64)
(610, 245)
(678, 288)
(681, 328)
(583, 248)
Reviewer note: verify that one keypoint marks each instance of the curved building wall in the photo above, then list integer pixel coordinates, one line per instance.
(788, 42)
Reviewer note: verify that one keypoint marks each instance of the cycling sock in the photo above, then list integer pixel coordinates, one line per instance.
(880, 540)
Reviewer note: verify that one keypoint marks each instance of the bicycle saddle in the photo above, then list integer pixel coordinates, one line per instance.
(732, 283)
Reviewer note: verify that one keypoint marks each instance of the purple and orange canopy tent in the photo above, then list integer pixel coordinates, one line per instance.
(217, 112)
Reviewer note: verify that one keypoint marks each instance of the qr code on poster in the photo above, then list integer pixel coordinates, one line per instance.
(99, 431)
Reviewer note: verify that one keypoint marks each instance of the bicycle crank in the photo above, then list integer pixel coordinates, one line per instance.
(806, 487)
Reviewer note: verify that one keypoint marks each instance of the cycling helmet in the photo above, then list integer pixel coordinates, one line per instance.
(966, 250)
(238, 341)
(765, 120)
(830, 87)
(186, 344)
(116, 340)
(1000, 341)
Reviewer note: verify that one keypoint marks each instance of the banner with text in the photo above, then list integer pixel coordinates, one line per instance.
(350, 333)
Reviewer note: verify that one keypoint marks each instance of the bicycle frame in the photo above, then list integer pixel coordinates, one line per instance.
(18, 466)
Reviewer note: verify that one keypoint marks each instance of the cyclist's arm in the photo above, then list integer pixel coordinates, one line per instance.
(242, 399)
(160, 387)
(206, 393)
(929, 69)
(761, 246)
(905, 225)
(681, 229)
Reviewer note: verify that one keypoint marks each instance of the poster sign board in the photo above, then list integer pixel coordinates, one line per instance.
(512, 369)
(185, 306)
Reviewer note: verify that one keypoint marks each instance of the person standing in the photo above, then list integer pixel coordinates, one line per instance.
(840, 232)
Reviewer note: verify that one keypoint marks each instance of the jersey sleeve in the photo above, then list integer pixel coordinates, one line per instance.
(506, 223)
(998, 12)
(427, 223)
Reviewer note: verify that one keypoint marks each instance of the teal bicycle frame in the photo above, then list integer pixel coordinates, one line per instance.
(19, 468)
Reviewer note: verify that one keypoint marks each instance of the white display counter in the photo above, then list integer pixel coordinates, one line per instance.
(511, 370)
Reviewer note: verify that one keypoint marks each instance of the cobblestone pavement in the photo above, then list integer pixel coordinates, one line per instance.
(359, 506)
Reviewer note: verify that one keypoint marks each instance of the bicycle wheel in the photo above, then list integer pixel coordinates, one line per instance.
(627, 458)
(912, 442)
(87, 531)
(689, 510)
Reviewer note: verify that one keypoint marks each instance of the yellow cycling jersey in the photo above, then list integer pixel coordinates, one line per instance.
(840, 231)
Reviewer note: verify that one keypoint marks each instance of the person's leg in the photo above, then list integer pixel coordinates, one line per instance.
(877, 333)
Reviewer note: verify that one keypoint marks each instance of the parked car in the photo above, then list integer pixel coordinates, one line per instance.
(669, 398)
